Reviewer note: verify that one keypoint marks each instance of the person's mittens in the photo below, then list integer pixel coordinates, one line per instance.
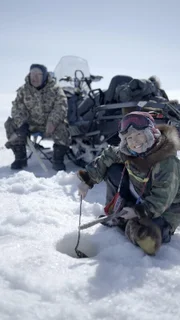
(128, 213)
(84, 176)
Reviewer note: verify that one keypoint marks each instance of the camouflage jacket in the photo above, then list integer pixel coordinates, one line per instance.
(158, 172)
(37, 107)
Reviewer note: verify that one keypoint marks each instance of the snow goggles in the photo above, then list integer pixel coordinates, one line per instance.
(138, 122)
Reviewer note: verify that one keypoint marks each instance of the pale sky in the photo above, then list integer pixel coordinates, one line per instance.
(136, 37)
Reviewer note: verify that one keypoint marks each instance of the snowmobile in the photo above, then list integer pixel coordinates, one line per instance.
(94, 114)
(90, 131)
(73, 75)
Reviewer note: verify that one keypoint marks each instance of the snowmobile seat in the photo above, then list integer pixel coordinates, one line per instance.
(95, 98)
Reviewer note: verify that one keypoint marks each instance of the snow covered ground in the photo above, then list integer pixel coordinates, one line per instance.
(40, 276)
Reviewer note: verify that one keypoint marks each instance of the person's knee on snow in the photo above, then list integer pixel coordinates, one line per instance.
(145, 234)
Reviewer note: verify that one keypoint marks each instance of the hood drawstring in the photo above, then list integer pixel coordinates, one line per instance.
(145, 181)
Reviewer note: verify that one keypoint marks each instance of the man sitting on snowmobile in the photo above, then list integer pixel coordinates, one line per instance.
(146, 171)
(40, 106)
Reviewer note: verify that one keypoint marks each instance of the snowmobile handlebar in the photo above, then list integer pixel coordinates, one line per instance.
(79, 79)
(95, 78)
(90, 79)
(66, 78)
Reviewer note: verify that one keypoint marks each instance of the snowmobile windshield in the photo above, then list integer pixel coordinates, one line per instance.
(71, 72)
(136, 121)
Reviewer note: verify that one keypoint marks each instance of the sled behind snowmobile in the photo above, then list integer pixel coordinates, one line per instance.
(94, 115)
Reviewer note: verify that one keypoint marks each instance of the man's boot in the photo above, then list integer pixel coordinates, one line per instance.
(20, 157)
(58, 157)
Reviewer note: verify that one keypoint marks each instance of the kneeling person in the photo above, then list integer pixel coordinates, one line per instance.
(145, 170)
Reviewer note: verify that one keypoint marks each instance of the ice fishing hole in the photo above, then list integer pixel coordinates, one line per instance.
(86, 245)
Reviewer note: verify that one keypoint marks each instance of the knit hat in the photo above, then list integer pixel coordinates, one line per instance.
(134, 121)
(42, 68)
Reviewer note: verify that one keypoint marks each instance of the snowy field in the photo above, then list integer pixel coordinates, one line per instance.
(41, 277)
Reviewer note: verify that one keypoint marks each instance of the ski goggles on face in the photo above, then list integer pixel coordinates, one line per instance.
(138, 122)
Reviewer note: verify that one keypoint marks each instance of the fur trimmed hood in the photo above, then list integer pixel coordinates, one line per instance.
(156, 81)
(168, 145)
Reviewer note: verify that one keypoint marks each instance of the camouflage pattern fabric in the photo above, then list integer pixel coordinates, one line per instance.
(39, 107)
(161, 196)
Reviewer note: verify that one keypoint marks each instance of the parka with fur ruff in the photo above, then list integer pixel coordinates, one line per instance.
(160, 168)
